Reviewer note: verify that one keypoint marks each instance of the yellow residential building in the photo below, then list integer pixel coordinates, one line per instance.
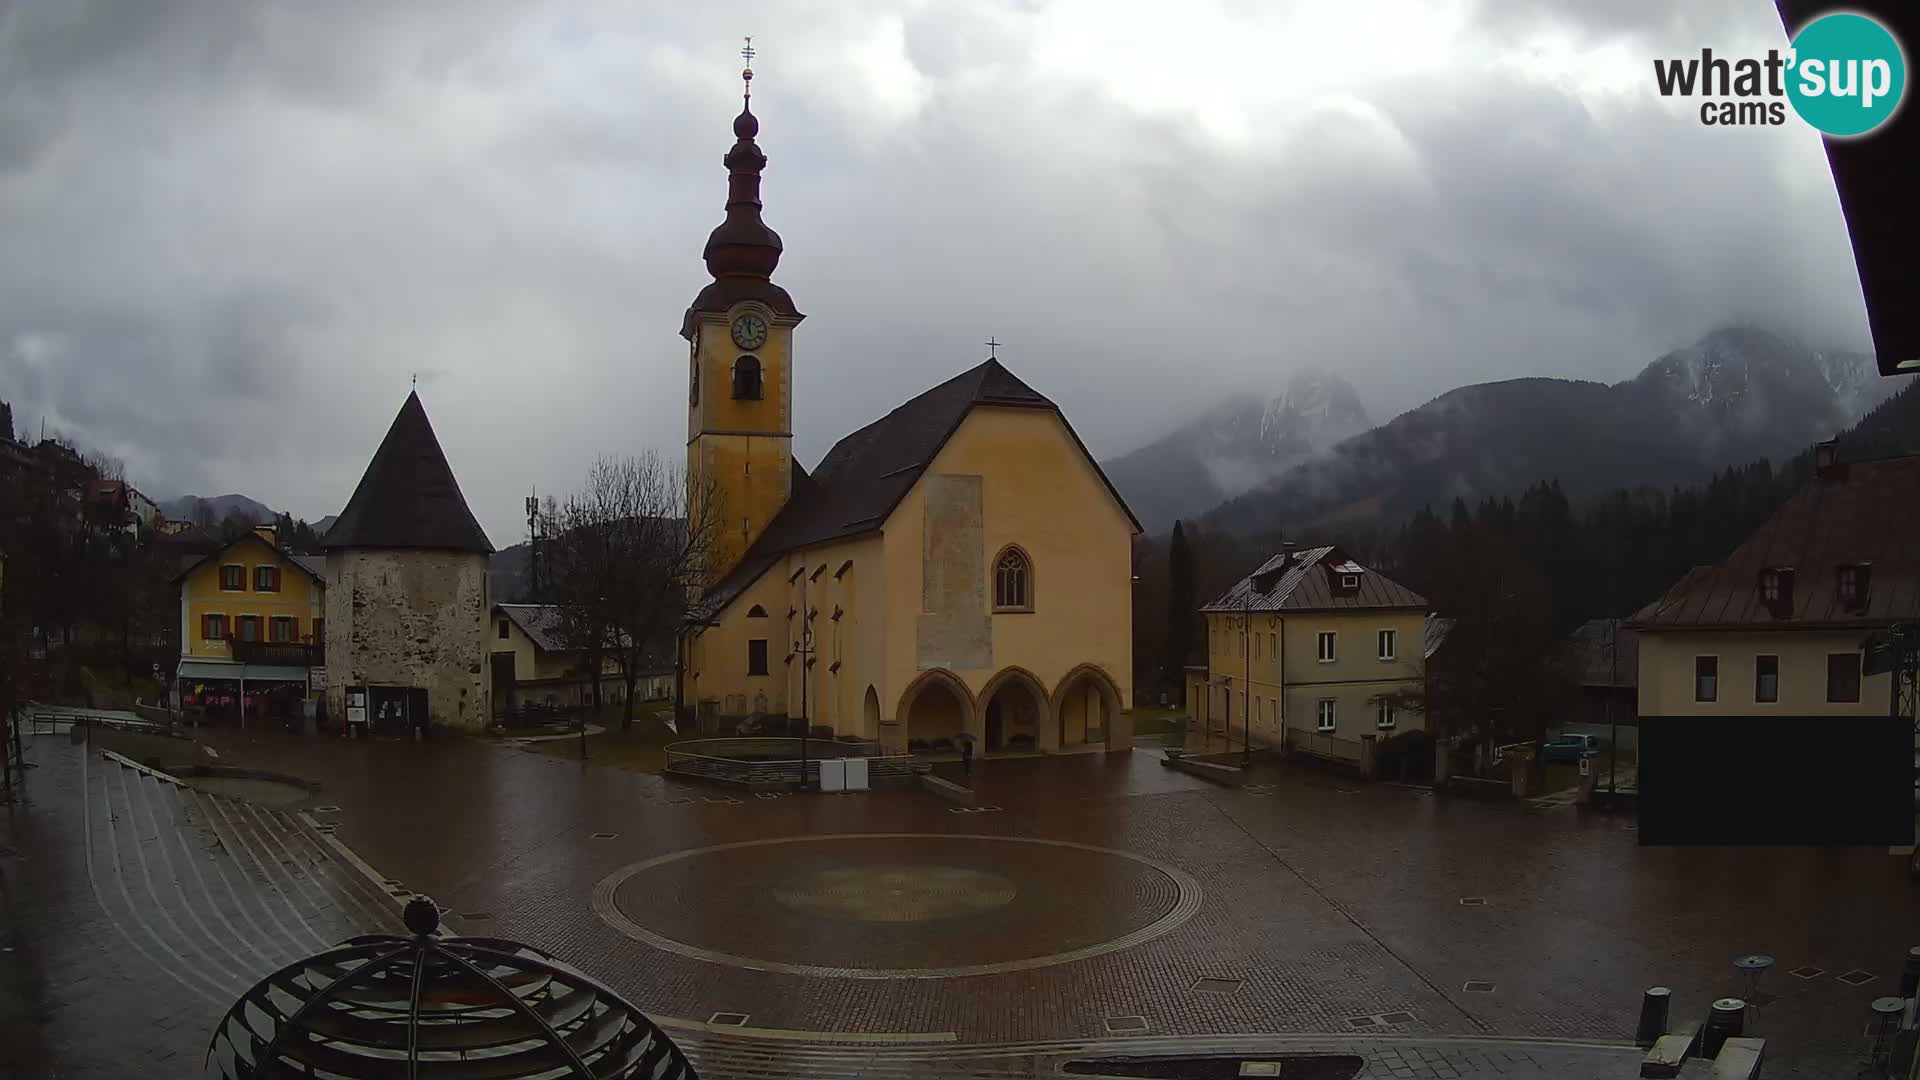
(533, 665)
(959, 565)
(1306, 653)
(252, 624)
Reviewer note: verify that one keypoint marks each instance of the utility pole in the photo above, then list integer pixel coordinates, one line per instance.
(535, 544)
(1246, 692)
(1613, 725)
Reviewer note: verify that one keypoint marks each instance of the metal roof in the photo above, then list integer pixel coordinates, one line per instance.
(1604, 652)
(1863, 512)
(1303, 581)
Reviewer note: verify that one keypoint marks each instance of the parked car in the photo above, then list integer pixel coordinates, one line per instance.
(1570, 748)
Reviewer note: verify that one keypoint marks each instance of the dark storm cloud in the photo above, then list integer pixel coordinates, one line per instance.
(237, 229)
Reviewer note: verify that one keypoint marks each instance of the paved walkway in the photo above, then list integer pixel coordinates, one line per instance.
(1329, 914)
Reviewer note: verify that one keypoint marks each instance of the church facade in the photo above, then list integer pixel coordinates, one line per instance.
(958, 565)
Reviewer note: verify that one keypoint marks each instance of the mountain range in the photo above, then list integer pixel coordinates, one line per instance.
(217, 507)
(1236, 446)
(1736, 395)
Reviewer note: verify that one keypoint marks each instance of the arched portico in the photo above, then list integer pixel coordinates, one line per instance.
(1086, 709)
(937, 706)
(1016, 712)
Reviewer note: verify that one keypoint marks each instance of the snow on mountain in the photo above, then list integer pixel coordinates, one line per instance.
(1239, 444)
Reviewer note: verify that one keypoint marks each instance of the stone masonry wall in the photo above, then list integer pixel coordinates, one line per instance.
(410, 618)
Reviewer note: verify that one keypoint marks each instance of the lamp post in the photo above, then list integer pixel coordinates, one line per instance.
(804, 650)
(1246, 691)
(1613, 722)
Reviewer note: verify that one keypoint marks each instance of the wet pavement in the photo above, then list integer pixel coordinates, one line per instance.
(1320, 913)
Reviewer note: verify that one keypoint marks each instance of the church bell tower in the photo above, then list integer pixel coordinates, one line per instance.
(739, 333)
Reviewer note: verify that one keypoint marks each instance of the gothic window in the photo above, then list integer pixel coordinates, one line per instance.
(746, 379)
(1013, 581)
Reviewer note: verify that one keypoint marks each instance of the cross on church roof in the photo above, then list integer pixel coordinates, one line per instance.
(993, 348)
(746, 73)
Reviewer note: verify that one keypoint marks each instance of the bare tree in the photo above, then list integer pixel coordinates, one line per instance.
(623, 555)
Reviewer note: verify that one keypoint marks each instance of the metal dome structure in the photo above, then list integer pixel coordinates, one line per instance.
(383, 1006)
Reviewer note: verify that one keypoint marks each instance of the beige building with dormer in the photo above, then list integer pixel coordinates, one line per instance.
(1305, 653)
(959, 565)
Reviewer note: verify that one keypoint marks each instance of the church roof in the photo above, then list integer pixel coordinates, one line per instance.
(408, 497)
(866, 474)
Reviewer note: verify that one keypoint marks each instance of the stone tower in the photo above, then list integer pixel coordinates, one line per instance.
(407, 595)
(739, 332)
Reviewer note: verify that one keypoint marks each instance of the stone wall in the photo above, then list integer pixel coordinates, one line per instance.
(410, 618)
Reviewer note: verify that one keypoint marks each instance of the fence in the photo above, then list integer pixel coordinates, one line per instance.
(1321, 744)
(54, 721)
(775, 761)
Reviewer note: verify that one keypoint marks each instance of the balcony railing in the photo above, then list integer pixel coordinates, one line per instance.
(279, 653)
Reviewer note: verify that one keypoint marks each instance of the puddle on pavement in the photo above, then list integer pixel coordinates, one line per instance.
(264, 792)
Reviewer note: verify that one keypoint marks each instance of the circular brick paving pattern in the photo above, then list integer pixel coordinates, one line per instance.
(896, 905)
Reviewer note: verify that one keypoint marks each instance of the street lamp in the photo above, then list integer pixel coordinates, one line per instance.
(804, 650)
(1246, 663)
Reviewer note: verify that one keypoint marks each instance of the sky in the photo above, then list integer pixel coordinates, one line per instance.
(236, 231)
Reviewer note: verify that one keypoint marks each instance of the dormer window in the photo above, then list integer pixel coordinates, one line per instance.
(1776, 590)
(746, 379)
(1851, 584)
(1349, 581)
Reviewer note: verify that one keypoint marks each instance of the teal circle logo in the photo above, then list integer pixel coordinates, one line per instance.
(1847, 75)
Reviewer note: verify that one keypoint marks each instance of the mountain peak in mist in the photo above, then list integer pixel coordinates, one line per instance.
(1239, 444)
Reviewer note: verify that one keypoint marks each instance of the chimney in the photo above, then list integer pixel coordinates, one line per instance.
(1286, 554)
(267, 533)
(1826, 461)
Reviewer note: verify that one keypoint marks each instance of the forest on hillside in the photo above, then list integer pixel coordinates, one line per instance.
(1519, 574)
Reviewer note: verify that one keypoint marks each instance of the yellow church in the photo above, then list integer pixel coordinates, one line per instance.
(959, 565)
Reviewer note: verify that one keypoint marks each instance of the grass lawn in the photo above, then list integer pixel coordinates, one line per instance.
(1156, 720)
(643, 748)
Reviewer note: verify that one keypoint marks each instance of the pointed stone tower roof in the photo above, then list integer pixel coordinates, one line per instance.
(408, 497)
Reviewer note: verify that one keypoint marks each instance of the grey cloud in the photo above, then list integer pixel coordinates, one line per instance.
(246, 226)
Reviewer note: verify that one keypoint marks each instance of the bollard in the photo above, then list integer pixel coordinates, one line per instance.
(1910, 975)
(1653, 1016)
(1723, 1023)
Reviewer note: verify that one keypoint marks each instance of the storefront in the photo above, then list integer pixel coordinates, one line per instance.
(243, 694)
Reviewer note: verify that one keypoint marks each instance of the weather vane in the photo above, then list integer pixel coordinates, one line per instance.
(993, 348)
(746, 73)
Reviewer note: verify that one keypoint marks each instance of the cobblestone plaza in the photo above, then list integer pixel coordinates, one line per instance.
(1091, 905)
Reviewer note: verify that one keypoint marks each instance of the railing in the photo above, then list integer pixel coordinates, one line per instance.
(281, 653)
(1321, 744)
(47, 721)
(775, 760)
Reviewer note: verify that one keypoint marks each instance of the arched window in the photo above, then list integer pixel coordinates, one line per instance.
(746, 379)
(756, 612)
(1013, 581)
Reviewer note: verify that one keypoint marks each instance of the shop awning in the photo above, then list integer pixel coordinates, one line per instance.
(205, 669)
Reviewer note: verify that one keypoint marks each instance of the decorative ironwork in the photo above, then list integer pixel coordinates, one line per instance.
(393, 1006)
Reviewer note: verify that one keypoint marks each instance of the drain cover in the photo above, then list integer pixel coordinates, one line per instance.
(1477, 987)
(1125, 1024)
(1209, 984)
(1856, 977)
(1473, 901)
(1362, 1022)
(1396, 1018)
(728, 1019)
(605, 835)
(1807, 972)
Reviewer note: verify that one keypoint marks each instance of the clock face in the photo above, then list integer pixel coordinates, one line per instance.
(749, 331)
